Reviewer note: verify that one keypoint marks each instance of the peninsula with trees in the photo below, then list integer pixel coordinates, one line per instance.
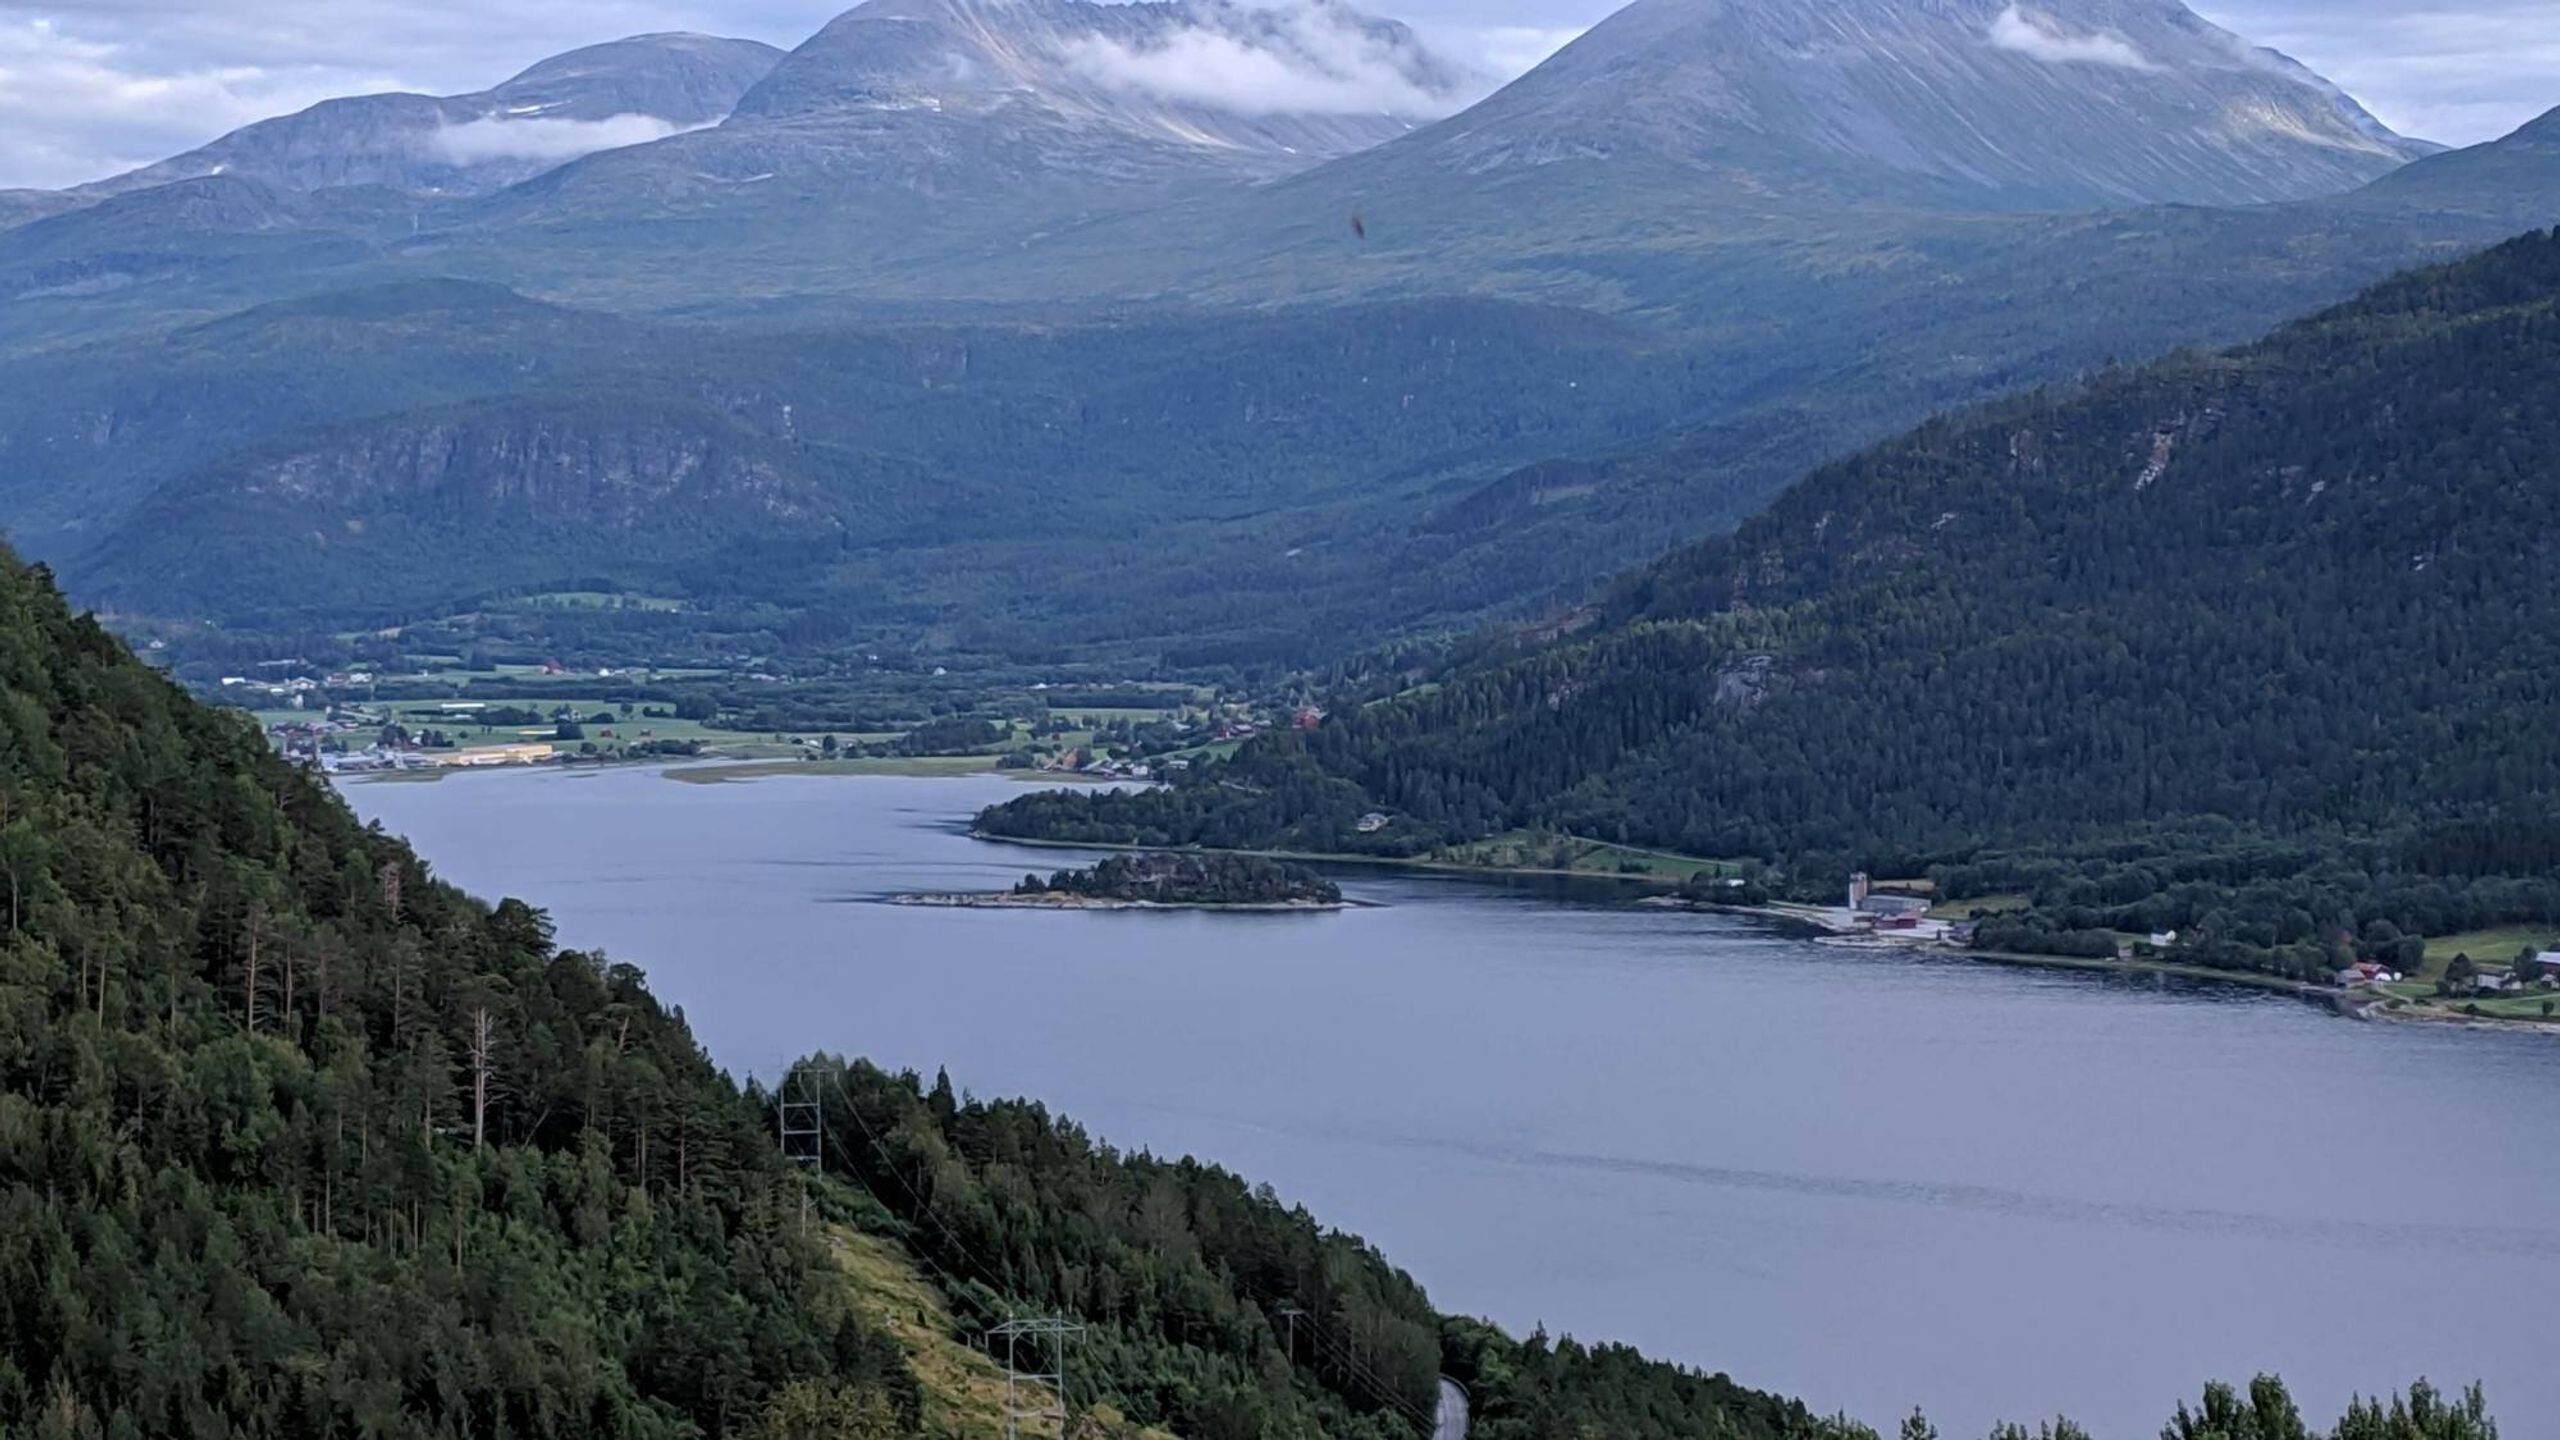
(1157, 881)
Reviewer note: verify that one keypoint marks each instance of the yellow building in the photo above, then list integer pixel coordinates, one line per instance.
(499, 755)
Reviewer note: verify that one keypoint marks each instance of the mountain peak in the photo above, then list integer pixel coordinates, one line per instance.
(621, 92)
(1999, 103)
(1313, 78)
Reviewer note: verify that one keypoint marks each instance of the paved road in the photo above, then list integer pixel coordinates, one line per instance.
(1451, 1422)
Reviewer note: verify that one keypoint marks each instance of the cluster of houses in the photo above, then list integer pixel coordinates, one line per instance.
(2533, 972)
(323, 743)
(1085, 762)
(374, 758)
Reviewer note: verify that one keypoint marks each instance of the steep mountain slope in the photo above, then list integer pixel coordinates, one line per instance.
(1151, 70)
(1960, 103)
(86, 434)
(2274, 616)
(656, 491)
(2476, 180)
(500, 426)
(623, 93)
(909, 133)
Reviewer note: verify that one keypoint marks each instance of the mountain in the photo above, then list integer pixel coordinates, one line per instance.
(1973, 104)
(17, 207)
(405, 449)
(942, 248)
(1276, 87)
(910, 133)
(512, 493)
(2231, 645)
(2497, 179)
(626, 92)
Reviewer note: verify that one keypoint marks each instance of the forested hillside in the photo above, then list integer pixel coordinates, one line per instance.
(2259, 646)
(295, 1140)
(1181, 1273)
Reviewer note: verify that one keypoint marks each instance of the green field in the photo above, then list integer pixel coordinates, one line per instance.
(925, 765)
(2527, 1006)
(1988, 904)
(720, 774)
(468, 731)
(1091, 716)
(2493, 948)
(592, 600)
(1528, 850)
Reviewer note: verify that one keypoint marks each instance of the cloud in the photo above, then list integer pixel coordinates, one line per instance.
(1505, 52)
(553, 141)
(74, 109)
(1309, 60)
(2038, 38)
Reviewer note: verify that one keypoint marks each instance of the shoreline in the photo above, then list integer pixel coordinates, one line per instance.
(728, 769)
(1052, 900)
(1810, 921)
(1814, 922)
(1318, 857)
(2380, 1009)
(1817, 920)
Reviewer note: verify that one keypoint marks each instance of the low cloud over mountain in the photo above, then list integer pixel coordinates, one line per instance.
(2039, 37)
(1303, 59)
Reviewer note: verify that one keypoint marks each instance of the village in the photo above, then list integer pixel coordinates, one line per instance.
(2446, 982)
(359, 723)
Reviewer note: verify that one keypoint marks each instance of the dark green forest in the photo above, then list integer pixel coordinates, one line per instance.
(1182, 1273)
(296, 1140)
(2258, 646)
(1190, 880)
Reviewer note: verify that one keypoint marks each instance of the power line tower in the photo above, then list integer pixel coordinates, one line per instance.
(803, 1119)
(803, 1116)
(1026, 1412)
(1290, 1312)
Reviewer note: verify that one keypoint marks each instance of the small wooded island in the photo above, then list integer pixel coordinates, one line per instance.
(1163, 882)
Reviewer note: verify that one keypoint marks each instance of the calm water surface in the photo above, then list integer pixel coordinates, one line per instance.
(1873, 1182)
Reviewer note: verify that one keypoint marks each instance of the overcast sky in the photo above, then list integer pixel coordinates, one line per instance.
(92, 87)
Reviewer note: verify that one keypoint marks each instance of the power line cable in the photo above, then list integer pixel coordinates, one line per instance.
(1336, 1346)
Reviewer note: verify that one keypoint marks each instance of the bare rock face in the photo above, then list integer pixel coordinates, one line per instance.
(1976, 103)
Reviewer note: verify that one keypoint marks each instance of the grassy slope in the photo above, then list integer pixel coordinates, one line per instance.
(964, 1388)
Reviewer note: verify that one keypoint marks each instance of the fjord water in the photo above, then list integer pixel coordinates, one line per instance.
(1870, 1181)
